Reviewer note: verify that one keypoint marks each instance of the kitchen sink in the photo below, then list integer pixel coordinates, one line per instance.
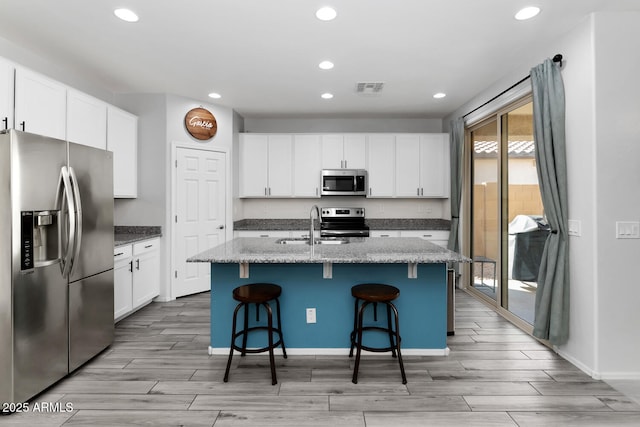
(318, 241)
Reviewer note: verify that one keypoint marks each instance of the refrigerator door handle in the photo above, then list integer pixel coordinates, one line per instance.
(76, 197)
(64, 194)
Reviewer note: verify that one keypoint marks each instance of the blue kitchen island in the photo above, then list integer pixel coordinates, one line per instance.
(321, 277)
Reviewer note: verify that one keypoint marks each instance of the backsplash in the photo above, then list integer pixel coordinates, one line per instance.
(375, 208)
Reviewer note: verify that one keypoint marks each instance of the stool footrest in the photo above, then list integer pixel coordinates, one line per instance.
(258, 350)
(354, 340)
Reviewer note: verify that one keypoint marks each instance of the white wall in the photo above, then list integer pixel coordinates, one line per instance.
(617, 154)
(161, 129)
(56, 70)
(375, 208)
(602, 110)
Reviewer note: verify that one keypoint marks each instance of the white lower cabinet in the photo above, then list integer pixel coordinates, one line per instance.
(122, 281)
(136, 276)
(262, 233)
(439, 237)
(384, 233)
(146, 271)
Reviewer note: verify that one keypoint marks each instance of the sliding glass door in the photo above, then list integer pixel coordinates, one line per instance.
(507, 219)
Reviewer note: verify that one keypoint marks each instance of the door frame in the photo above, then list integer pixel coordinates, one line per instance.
(513, 102)
(228, 226)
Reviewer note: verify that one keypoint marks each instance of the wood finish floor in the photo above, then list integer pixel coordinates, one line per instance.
(158, 373)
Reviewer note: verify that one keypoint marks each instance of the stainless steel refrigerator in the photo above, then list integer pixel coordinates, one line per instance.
(56, 260)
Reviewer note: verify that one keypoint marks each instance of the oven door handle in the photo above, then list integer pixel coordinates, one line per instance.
(338, 233)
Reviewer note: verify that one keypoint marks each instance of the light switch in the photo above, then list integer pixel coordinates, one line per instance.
(575, 227)
(627, 230)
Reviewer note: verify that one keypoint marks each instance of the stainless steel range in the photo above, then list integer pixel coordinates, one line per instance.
(343, 222)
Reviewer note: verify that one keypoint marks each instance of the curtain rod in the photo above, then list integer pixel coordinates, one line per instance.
(556, 58)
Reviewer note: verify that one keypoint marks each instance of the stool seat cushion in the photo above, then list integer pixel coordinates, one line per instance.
(256, 292)
(375, 292)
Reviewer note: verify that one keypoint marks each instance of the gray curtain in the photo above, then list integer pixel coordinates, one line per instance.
(456, 146)
(552, 296)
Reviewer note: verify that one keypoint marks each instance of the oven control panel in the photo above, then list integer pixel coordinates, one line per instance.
(342, 212)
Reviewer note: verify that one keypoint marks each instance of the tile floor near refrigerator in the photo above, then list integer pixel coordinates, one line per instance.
(158, 373)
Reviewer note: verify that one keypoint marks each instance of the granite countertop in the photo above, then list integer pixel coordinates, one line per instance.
(373, 223)
(124, 235)
(358, 250)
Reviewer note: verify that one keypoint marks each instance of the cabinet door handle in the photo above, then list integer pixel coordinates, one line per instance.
(265, 191)
(118, 254)
(138, 264)
(23, 125)
(345, 164)
(131, 266)
(418, 191)
(269, 190)
(6, 123)
(264, 235)
(369, 190)
(221, 227)
(148, 246)
(422, 191)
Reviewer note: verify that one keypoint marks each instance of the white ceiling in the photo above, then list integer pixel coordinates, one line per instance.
(262, 56)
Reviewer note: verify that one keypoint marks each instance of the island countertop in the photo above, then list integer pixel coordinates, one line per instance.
(359, 250)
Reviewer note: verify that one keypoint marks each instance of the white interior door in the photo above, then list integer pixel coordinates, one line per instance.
(200, 216)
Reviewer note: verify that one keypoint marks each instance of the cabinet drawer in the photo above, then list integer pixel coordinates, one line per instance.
(263, 233)
(384, 233)
(122, 253)
(146, 246)
(426, 234)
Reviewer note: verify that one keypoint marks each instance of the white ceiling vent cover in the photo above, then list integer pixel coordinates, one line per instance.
(369, 88)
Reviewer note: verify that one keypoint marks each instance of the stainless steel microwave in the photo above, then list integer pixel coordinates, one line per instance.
(344, 182)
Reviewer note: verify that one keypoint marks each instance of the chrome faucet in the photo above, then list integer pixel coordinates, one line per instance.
(311, 232)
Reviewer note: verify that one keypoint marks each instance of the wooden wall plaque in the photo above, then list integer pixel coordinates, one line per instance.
(201, 124)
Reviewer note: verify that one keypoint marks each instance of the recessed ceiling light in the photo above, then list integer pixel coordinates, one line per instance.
(326, 13)
(126, 15)
(327, 95)
(215, 95)
(527, 13)
(439, 95)
(326, 65)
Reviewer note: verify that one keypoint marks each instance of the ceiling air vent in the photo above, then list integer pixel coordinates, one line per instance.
(369, 88)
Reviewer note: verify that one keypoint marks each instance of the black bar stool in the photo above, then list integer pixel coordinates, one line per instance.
(375, 293)
(258, 294)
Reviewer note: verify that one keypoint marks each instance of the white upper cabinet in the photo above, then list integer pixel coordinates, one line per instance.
(266, 165)
(407, 165)
(307, 164)
(280, 166)
(381, 165)
(86, 120)
(253, 165)
(346, 151)
(434, 165)
(122, 140)
(422, 165)
(40, 104)
(6, 94)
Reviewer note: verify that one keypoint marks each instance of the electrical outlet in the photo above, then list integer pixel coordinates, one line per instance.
(311, 315)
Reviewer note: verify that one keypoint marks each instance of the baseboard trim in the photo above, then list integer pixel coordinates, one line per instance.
(340, 352)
